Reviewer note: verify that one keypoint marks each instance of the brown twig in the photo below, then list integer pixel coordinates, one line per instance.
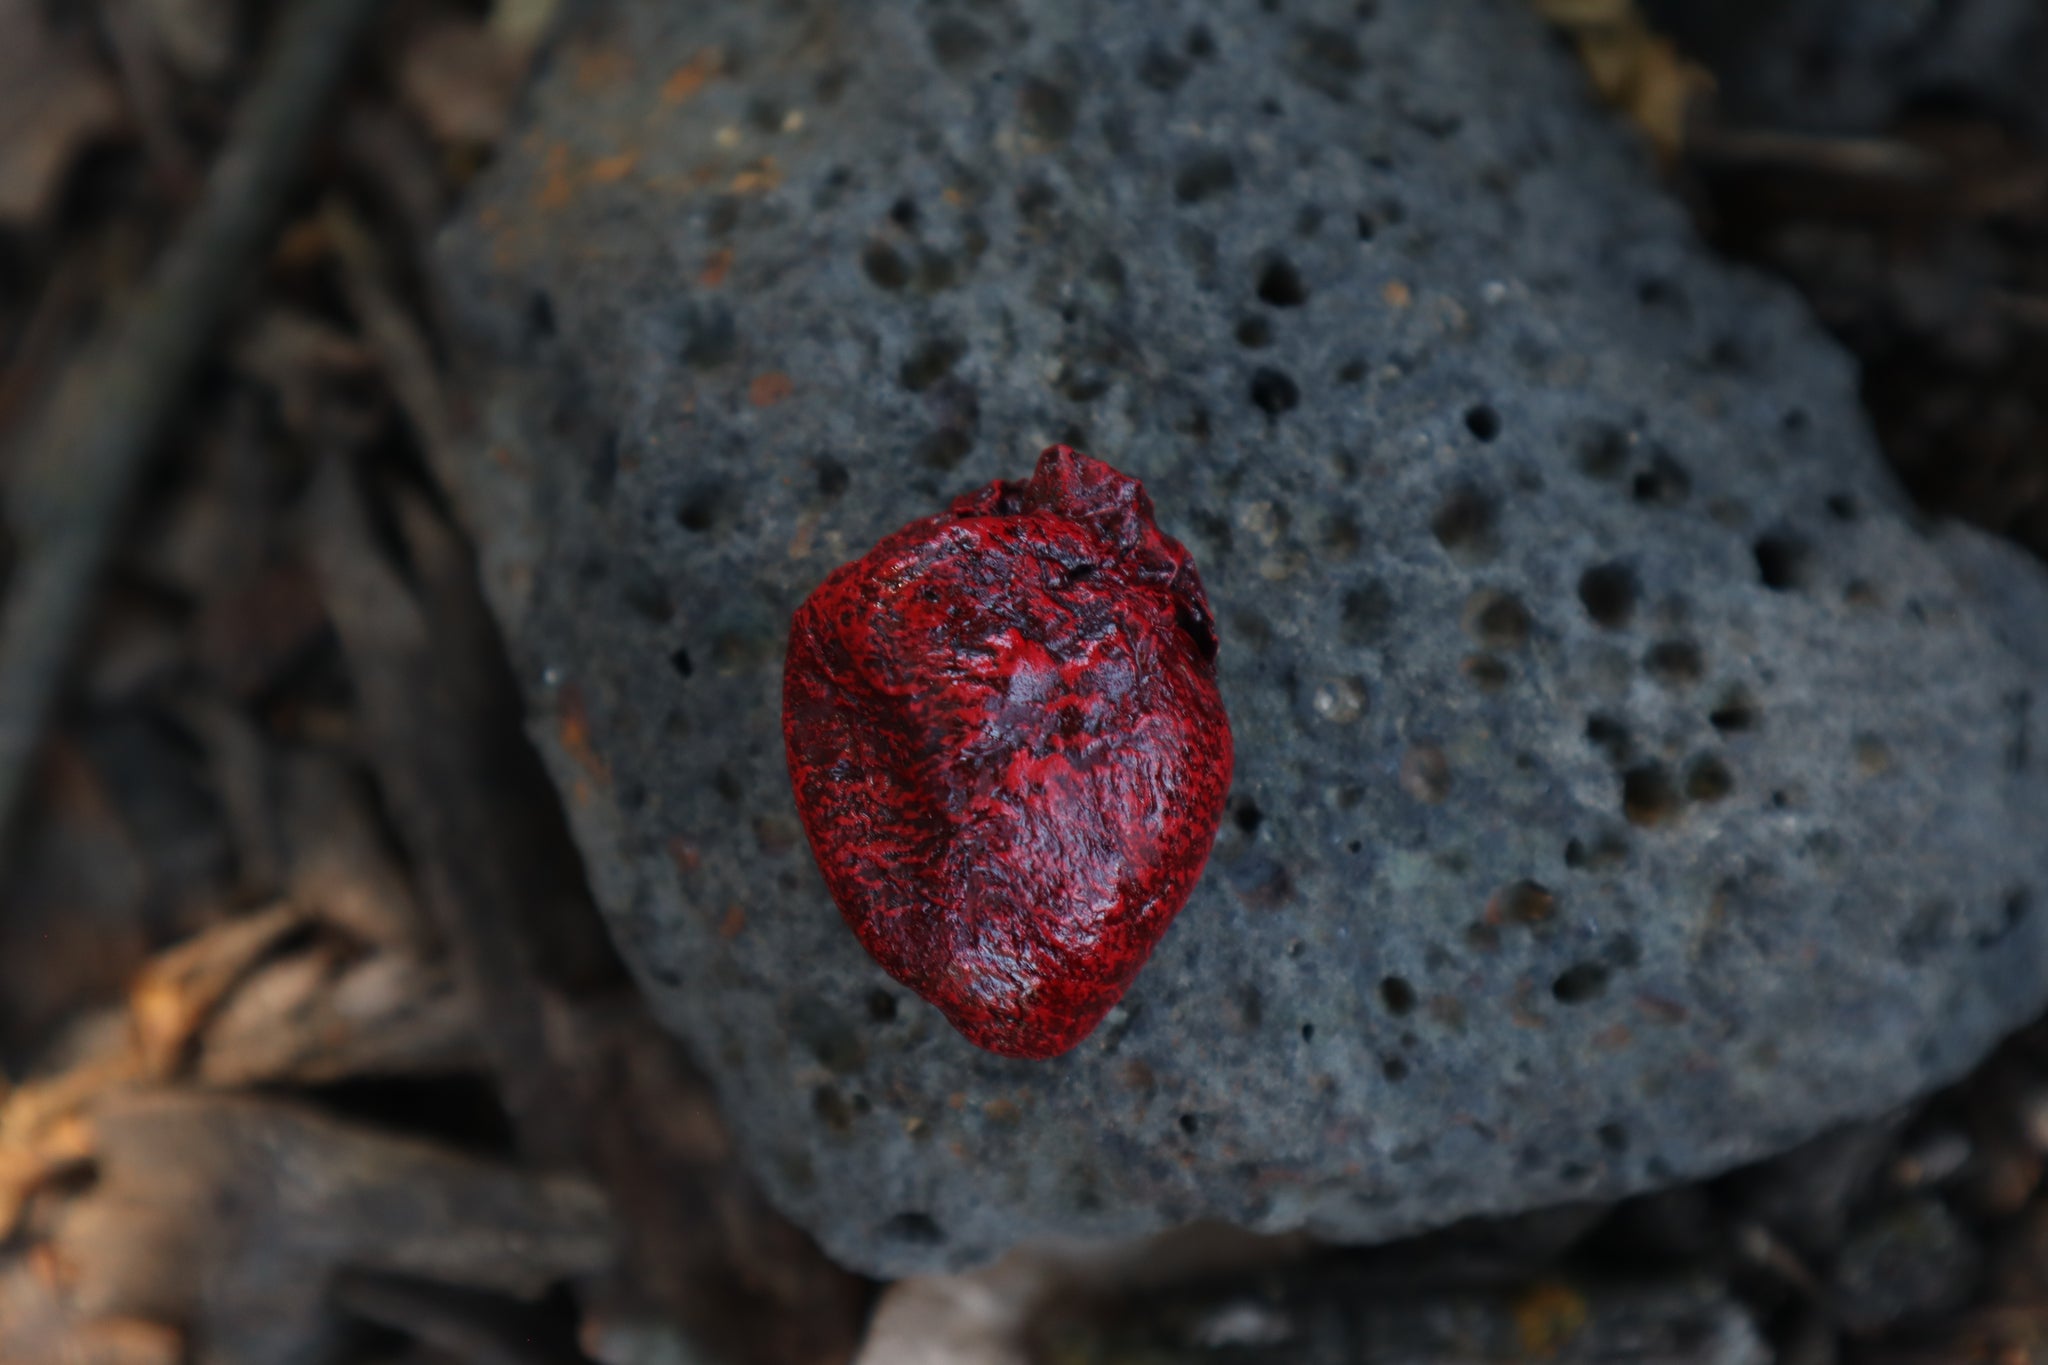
(1853, 158)
(82, 459)
(440, 727)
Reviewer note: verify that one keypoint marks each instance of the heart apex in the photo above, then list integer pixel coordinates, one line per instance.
(1035, 1042)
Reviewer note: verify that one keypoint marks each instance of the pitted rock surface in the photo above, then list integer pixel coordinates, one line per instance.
(1627, 784)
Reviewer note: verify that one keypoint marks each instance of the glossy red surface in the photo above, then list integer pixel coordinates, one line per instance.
(1009, 751)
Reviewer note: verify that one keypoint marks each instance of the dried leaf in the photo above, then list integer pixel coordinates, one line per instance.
(309, 1020)
(481, 1328)
(98, 1052)
(43, 1134)
(197, 36)
(126, 1341)
(180, 990)
(338, 863)
(1634, 68)
(405, 167)
(283, 340)
(459, 79)
(300, 357)
(54, 101)
(39, 1327)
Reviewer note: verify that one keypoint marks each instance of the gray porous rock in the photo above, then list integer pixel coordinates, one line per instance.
(1628, 785)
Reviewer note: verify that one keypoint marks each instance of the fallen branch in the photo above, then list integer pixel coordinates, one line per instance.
(82, 459)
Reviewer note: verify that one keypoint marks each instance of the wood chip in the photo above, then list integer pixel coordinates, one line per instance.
(460, 80)
(38, 1326)
(180, 990)
(309, 1020)
(233, 1214)
(197, 36)
(705, 1249)
(43, 1132)
(54, 101)
(338, 863)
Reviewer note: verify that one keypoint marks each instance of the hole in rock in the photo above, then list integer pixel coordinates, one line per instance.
(1665, 483)
(1522, 902)
(1487, 673)
(1496, 619)
(1648, 795)
(1204, 175)
(1047, 110)
(540, 315)
(1579, 983)
(1161, 70)
(1735, 713)
(1783, 561)
(930, 362)
(1607, 850)
(917, 1229)
(700, 509)
(1280, 284)
(1674, 663)
(957, 43)
(1603, 452)
(1272, 392)
(1465, 525)
(1707, 779)
(1610, 737)
(1608, 593)
(945, 448)
(885, 268)
(1368, 612)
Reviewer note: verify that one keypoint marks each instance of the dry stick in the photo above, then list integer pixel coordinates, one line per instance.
(437, 737)
(81, 461)
(1856, 158)
(436, 717)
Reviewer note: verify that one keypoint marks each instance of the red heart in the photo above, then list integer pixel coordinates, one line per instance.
(1009, 751)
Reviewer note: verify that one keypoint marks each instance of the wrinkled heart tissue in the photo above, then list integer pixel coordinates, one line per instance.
(1009, 750)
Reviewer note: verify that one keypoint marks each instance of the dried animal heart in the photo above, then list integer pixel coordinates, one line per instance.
(1009, 751)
